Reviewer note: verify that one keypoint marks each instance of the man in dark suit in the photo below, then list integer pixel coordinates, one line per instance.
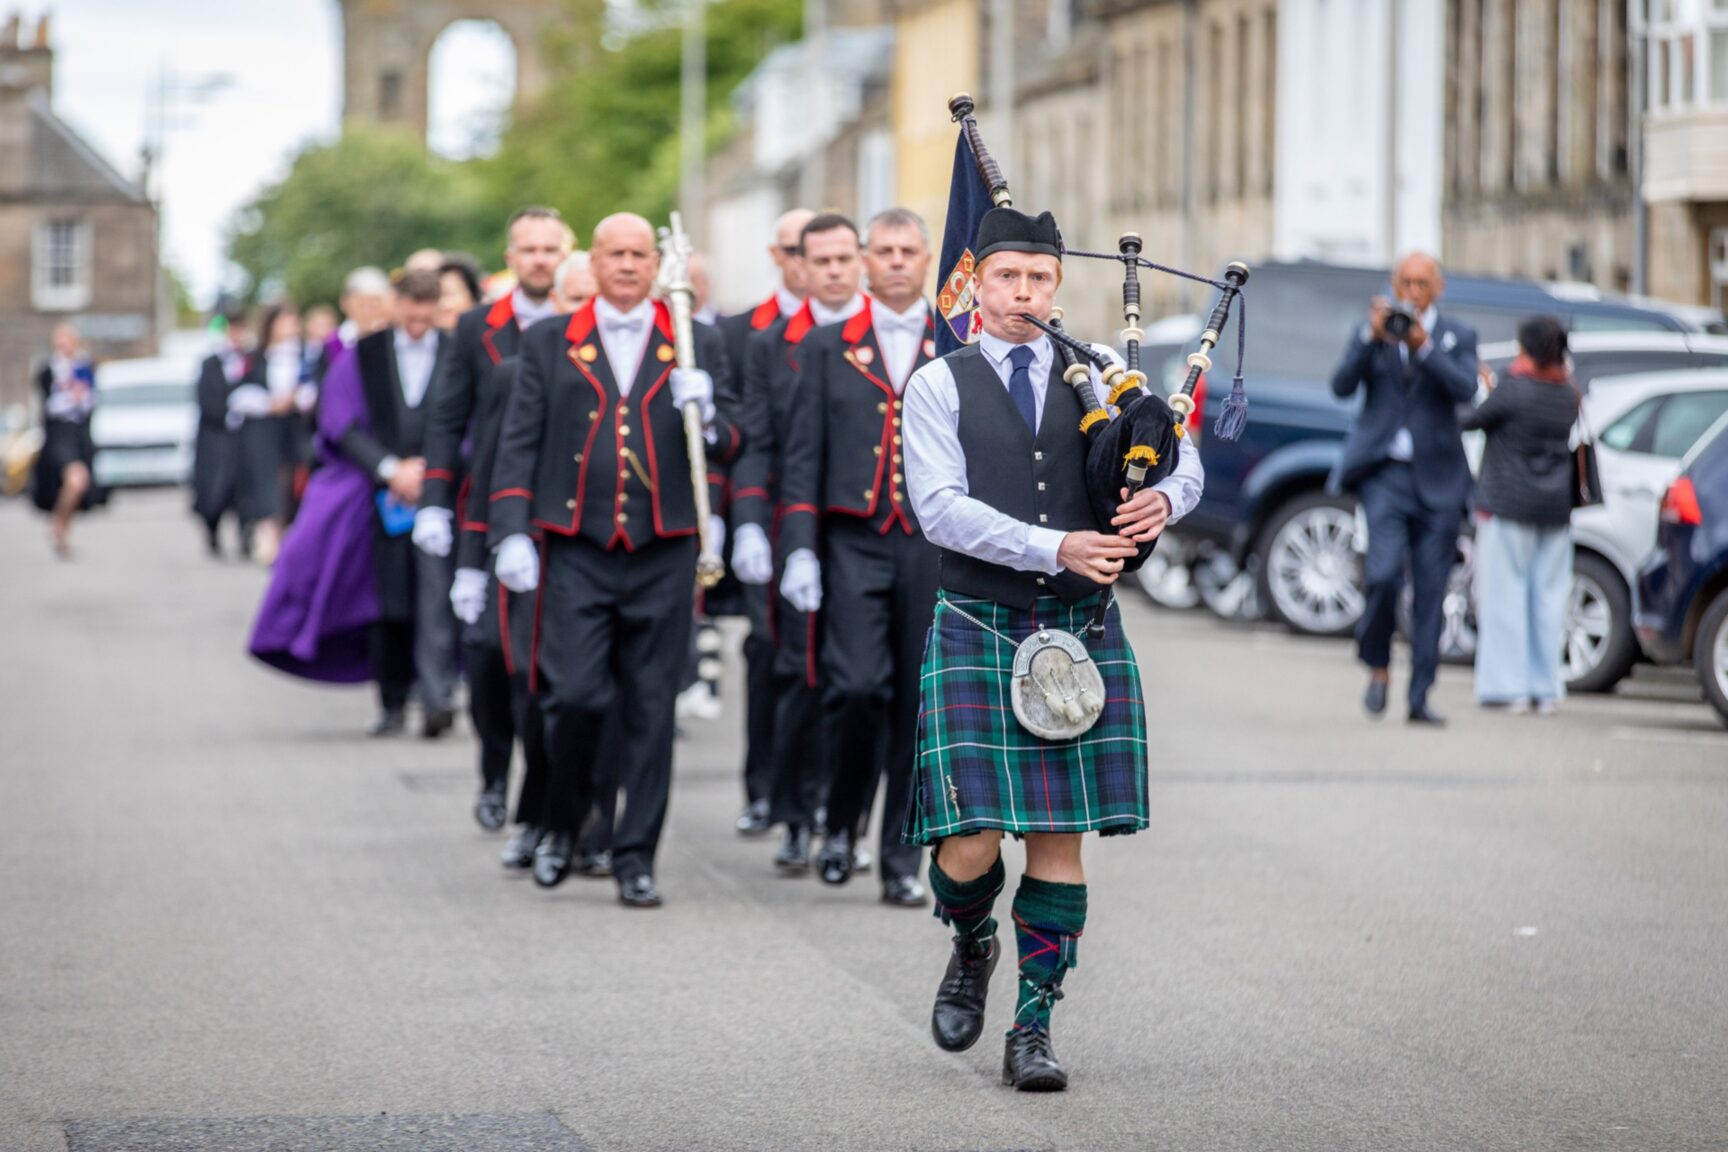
(593, 454)
(1404, 460)
(752, 564)
(414, 638)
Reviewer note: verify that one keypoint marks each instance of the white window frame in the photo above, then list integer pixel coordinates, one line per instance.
(1671, 22)
(46, 295)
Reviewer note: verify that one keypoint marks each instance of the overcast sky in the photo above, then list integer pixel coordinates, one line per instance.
(285, 58)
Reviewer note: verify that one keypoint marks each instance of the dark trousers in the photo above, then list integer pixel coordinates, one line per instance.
(497, 655)
(614, 629)
(1403, 530)
(799, 768)
(878, 600)
(758, 695)
(390, 649)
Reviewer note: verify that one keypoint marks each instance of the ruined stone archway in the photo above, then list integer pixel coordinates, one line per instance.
(388, 47)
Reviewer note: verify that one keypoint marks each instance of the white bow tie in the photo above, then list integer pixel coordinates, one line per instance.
(626, 325)
(888, 322)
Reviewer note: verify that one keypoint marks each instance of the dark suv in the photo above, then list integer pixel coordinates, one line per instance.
(1265, 511)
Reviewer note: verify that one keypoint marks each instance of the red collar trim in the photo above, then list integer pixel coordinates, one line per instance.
(766, 313)
(581, 323)
(663, 320)
(799, 326)
(503, 311)
(858, 325)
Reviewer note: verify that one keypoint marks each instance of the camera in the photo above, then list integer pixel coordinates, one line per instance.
(1399, 319)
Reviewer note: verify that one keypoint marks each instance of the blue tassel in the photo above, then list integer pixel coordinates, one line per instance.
(1233, 416)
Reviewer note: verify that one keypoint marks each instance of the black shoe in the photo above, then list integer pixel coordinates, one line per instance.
(753, 821)
(794, 854)
(435, 724)
(835, 862)
(519, 853)
(1030, 1064)
(1422, 714)
(552, 859)
(213, 541)
(638, 891)
(390, 722)
(595, 865)
(903, 892)
(490, 810)
(958, 1018)
(1375, 698)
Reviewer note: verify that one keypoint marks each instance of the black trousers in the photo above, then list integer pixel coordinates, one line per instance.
(614, 629)
(1402, 529)
(798, 768)
(390, 650)
(879, 596)
(758, 694)
(498, 653)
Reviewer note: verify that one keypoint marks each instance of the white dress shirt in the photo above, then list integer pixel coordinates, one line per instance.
(527, 312)
(900, 334)
(936, 467)
(825, 315)
(788, 300)
(624, 335)
(282, 366)
(415, 360)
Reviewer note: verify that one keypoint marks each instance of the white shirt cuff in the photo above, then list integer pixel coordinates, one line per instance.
(1042, 545)
(387, 468)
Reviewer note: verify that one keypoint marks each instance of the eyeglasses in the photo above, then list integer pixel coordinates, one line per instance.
(790, 250)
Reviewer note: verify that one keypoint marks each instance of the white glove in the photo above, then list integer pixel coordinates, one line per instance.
(717, 530)
(468, 594)
(518, 565)
(432, 532)
(693, 386)
(752, 559)
(802, 582)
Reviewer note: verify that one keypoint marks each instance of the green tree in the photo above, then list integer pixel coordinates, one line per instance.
(371, 197)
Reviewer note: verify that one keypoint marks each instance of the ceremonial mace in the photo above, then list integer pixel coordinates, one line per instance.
(681, 298)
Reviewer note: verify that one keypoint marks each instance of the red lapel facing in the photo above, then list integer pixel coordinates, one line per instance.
(766, 313)
(503, 311)
(858, 325)
(663, 320)
(581, 323)
(799, 326)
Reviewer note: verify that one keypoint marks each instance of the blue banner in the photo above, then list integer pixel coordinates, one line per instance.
(957, 294)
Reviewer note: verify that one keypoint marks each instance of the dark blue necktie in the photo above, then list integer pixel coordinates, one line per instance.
(1020, 386)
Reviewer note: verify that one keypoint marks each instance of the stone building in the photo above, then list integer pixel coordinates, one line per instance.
(78, 241)
(1685, 176)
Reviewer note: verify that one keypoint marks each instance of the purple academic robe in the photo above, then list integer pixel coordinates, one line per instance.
(322, 595)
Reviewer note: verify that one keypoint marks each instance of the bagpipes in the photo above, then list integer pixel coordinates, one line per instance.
(1133, 435)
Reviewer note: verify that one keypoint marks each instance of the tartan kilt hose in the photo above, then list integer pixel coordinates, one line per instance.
(978, 769)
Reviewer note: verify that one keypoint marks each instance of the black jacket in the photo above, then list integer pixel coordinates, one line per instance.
(771, 376)
(1527, 463)
(483, 337)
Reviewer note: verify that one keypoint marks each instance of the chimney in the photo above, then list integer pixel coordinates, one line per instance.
(26, 65)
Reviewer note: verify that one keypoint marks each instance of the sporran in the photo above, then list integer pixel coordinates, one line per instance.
(1057, 690)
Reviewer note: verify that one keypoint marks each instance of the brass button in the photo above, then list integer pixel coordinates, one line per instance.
(623, 429)
(896, 497)
(1037, 455)
(623, 411)
(569, 503)
(622, 518)
(869, 492)
(896, 421)
(623, 473)
(896, 457)
(896, 441)
(577, 457)
(593, 416)
(1043, 519)
(882, 408)
(896, 405)
(1040, 485)
(899, 479)
(1040, 579)
(878, 451)
(623, 498)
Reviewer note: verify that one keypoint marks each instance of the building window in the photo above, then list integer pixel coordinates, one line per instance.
(60, 279)
(1688, 54)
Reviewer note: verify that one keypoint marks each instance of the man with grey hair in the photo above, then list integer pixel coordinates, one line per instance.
(853, 548)
(368, 304)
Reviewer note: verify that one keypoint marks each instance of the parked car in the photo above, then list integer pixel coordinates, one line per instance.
(1265, 520)
(1682, 602)
(145, 422)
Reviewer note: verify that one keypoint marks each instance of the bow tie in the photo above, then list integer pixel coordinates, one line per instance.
(889, 322)
(627, 325)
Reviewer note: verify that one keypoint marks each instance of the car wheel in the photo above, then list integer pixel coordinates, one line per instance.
(1710, 655)
(1310, 575)
(1227, 591)
(1600, 647)
(1169, 584)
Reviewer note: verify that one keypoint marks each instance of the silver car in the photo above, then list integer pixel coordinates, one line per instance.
(145, 422)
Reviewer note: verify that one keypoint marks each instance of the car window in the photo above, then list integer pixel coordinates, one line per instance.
(1630, 430)
(1491, 324)
(1588, 366)
(1682, 419)
(139, 395)
(1621, 322)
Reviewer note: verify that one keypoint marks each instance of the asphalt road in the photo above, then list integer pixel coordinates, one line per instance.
(227, 921)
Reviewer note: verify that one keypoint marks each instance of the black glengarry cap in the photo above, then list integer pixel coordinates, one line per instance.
(1009, 230)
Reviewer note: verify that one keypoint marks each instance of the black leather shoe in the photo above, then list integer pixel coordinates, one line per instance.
(519, 853)
(595, 865)
(639, 892)
(753, 821)
(390, 722)
(435, 724)
(903, 892)
(1374, 700)
(1422, 714)
(835, 862)
(490, 810)
(1029, 1063)
(794, 854)
(958, 1018)
(552, 859)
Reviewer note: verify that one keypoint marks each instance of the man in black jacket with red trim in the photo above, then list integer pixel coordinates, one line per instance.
(593, 453)
(853, 548)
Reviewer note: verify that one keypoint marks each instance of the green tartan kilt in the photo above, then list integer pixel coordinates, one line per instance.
(978, 769)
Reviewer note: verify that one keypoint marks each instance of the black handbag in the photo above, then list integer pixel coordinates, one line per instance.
(1586, 475)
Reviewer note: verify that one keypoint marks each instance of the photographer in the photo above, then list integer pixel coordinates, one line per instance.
(1404, 461)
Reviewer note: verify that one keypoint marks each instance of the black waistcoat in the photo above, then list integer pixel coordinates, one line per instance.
(1042, 481)
(400, 428)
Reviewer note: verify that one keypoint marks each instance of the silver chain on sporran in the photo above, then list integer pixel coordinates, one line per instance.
(1057, 690)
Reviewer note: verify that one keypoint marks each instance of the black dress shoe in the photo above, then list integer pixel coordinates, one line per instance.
(903, 892)
(552, 859)
(595, 865)
(753, 821)
(958, 1018)
(638, 891)
(1374, 700)
(794, 854)
(519, 853)
(490, 810)
(1422, 714)
(391, 722)
(435, 724)
(1029, 1063)
(835, 862)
